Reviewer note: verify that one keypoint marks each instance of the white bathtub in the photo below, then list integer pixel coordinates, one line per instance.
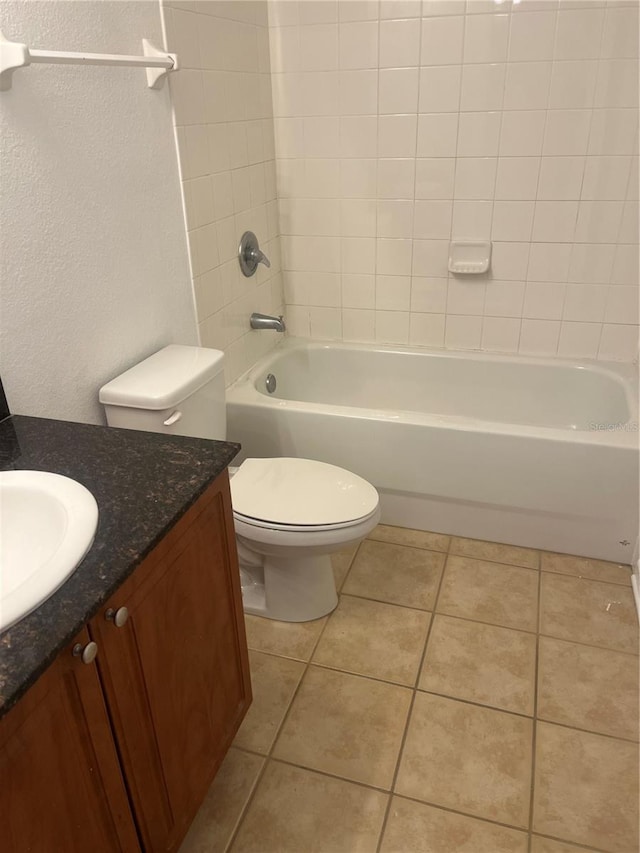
(527, 451)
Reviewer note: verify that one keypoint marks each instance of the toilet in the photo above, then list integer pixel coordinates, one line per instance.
(289, 514)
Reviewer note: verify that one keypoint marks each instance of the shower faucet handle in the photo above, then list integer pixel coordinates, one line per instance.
(250, 254)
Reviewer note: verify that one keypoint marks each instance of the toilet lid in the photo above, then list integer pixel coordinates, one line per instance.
(300, 492)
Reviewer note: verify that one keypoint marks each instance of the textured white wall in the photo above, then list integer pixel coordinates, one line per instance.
(93, 250)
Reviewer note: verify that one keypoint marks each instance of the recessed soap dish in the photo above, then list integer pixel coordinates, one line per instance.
(469, 257)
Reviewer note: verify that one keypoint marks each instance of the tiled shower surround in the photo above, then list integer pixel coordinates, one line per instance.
(400, 125)
(224, 124)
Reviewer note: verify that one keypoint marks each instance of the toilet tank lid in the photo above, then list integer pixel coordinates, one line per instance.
(164, 379)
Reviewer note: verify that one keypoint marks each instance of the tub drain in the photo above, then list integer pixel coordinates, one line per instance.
(270, 383)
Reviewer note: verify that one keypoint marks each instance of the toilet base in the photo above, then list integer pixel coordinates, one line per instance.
(296, 589)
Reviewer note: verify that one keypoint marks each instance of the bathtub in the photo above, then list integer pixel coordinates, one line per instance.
(527, 451)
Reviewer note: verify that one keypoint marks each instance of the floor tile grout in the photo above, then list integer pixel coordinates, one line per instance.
(411, 705)
(269, 758)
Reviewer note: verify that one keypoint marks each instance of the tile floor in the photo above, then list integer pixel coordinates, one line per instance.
(464, 697)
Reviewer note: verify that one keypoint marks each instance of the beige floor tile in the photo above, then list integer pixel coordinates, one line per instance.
(597, 570)
(550, 845)
(395, 573)
(273, 681)
(481, 663)
(490, 592)
(472, 759)
(586, 788)
(495, 552)
(298, 811)
(345, 725)
(341, 562)
(589, 688)
(417, 828)
(219, 814)
(371, 638)
(289, 639)
(585, 611)
(414, 538)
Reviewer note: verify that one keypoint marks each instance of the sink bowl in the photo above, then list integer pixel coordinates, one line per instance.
(47, 525)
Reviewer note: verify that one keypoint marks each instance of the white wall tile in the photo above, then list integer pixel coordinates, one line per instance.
(522, 133)
(539, 337)
(527, 85)
(429, 295)
(475, 177)
(486, 38)
(504, 298)
(479, 134)
(398, 90)
(358, 290)
(471, 220)
(579, 33)
(393, 257)
(358, 325)
(579, 340)
(396, 178)
(395, 218)
(437, 135)
(463, 332)
(432, 220)
(561, 178)
(397, 135)
(358, 45)
(622, 304)
(544, 300)
(500, 334)
(440, 89)
(482, 87)
(399, 43)
(392, 327)
(585, 303)
(618, 343)
(567, 132)
(517, 178)
(555, 221)
(442, 40)
(435, 178)
(393, 292)
(512, 220)
(416, 123)
(532, 36)
(427, 330)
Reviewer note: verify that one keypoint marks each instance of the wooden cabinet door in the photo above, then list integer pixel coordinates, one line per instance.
(176, 674)
(61, 788)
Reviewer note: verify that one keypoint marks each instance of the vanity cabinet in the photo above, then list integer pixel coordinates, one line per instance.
(170, 684)
(61, 787)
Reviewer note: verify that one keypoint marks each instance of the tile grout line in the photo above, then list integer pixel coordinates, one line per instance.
(411, 705)
(268, 756)
(534, 727)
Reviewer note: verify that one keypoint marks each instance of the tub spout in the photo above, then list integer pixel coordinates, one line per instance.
(264, 321)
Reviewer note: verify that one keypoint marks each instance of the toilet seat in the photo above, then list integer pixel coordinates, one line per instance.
(299, 495)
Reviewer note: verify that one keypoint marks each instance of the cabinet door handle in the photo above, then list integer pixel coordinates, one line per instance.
(87, 654)
(118, 617)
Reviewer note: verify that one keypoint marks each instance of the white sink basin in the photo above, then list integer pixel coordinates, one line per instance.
(47, 525)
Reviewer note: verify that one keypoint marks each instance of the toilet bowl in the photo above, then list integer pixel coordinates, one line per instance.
(289, 514)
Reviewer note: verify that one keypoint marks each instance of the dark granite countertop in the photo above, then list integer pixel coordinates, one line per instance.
(143, 483)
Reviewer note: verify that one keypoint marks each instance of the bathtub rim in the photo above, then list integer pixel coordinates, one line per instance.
(244, 392)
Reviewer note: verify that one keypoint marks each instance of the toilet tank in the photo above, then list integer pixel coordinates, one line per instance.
(178, 390)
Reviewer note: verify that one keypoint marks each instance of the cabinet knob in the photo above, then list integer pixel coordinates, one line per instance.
(118, 617)
(87, 654)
